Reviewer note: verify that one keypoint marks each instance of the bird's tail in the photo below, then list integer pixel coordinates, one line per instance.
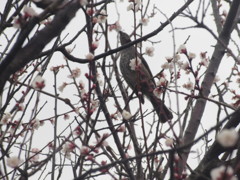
(163, 112)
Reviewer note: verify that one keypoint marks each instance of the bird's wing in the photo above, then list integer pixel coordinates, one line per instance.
(147, 68)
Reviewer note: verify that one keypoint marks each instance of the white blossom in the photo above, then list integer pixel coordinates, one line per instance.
(38, 83)
(167, 65)
(34, 155)
(161, 82)
(102, 17)
(126, 115)
(29, 11)
(189, 85)
(176, 57)
(14, 162)
(68, 147)
(130, 7)
(204, 62)
(75, 73)
(122, 128)
(95, 103)
(102, 140)
(157, 92)
(216, 79)
(137, 4)
(191, 55)
(169, 58)
(62, 87)
(116, 26)
(183, 65)
(84, 94)
(149, 51)
(238, 60)
(134, 63)
(16, 22)
(20, 106)
(90, 56)
(225, 13)
(227, 137)
(35, 124)
(238, 80)
(84, 150)
(182, 49)
(5, 119)
(144, 21)
(169, 142)
(81, 84)
(99, 79)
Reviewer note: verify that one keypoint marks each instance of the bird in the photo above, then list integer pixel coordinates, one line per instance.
(141, 80)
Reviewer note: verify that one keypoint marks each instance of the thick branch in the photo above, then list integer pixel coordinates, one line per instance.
(208, 80)
(215, 150)
(38, 42)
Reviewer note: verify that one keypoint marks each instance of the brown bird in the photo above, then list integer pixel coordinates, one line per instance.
(141, 79)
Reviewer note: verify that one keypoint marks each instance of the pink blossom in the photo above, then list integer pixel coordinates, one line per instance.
(77, 131)
(95, 45)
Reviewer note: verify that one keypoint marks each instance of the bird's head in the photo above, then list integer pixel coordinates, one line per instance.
(124, 38)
